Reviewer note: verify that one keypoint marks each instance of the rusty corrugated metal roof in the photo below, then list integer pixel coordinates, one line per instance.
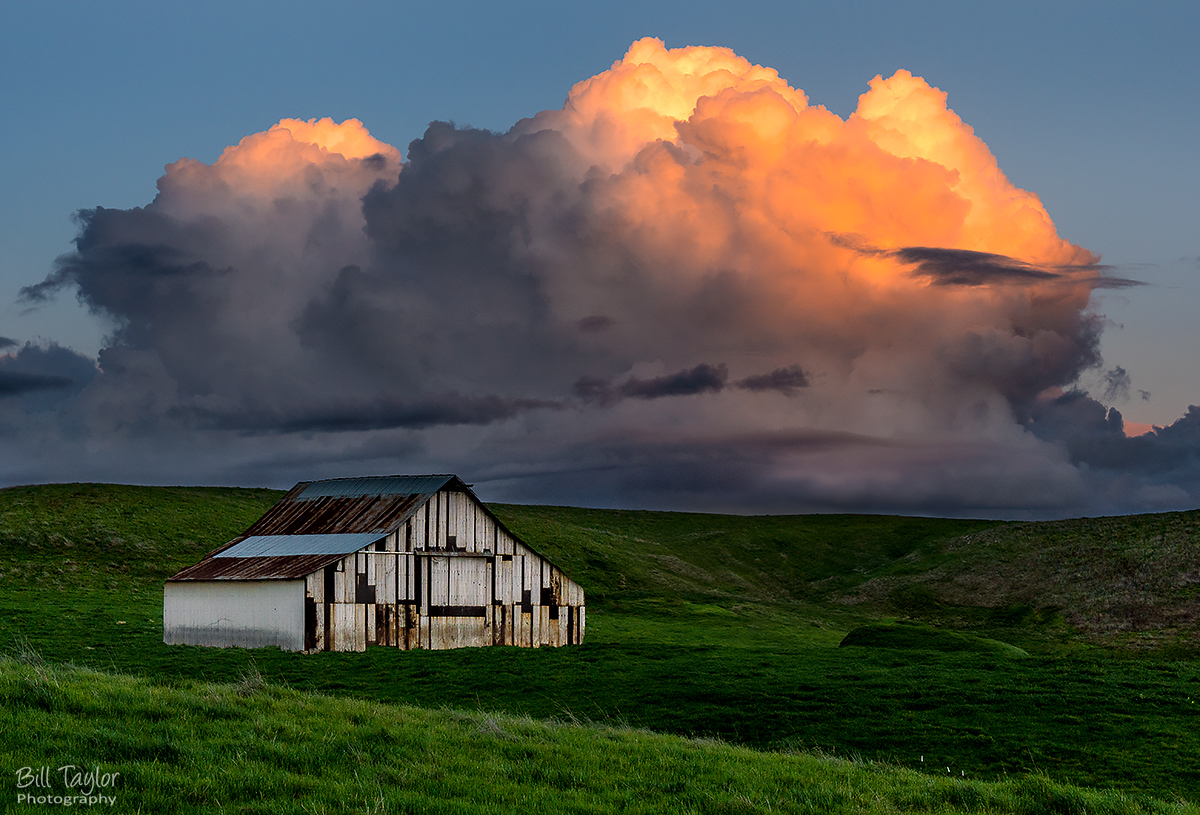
(369, 507)
(337, 515)
(287, 545)
(373, 485)
(292, 567)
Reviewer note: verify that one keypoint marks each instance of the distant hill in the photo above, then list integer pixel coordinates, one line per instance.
(1130, 581)
(698, 555)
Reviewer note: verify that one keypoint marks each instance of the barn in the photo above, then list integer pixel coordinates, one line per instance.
(399, 561)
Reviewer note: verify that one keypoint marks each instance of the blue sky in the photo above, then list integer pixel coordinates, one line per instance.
(1092, 105)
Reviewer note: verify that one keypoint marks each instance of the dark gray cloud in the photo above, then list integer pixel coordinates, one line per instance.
(1162, 466)
(133, 265)
(1116, 383)
(785, 380)
(790, 471)
(965, 267)
(15, 382)
(449, 409)
(961, 267)
(36, 369)
(704, 378)
(595, 390)
(5, 342)
(1050, 346)
(596, 322)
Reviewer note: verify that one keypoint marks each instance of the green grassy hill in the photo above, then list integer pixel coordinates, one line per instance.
(1130, 582)
(710, 626)
(253, 747)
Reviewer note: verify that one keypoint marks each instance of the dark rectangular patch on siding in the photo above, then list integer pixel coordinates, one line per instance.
(553, 612)
(310, 623)
(457, 611)
(498, 625)
(384, 624)
(506, 558)
(417, 581)
(526, 602)
(330, 570)
(547, 596)
(364, 592)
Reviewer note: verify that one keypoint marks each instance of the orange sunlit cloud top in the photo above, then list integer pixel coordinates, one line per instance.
(902, 170)
(282, 160)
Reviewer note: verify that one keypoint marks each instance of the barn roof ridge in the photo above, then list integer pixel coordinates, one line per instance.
(371, 485)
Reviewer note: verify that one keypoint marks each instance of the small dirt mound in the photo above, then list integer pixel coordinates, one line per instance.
(917, 637)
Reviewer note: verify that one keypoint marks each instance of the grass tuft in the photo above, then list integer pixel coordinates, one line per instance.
(251, 681)
(24, 651)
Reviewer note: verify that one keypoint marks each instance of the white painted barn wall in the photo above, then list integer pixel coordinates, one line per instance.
(245, 613)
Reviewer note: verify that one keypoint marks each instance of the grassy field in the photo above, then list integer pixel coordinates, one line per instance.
(254, 747)
(711, 626)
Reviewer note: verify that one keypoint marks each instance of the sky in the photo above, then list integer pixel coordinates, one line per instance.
(929, 258)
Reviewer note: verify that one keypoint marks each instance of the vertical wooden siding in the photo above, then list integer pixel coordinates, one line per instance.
(449, 578)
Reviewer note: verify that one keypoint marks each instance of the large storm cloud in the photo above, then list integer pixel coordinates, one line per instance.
(687, 287)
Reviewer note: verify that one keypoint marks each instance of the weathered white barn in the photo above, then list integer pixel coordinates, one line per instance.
(401, 561)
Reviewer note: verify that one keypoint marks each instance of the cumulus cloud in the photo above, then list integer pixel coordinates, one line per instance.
(1159, 469)
(686, 281)
(40, 384)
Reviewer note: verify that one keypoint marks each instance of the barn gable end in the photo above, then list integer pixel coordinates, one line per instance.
(399, 561)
